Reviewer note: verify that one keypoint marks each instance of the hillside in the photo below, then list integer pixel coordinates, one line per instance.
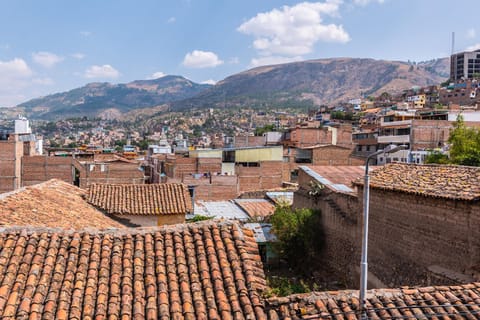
(316, 82)
(307, 83)
(111, 100)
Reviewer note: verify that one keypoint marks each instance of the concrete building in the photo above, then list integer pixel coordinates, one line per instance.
(464, 65)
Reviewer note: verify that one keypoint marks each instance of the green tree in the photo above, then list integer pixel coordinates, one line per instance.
(465, 144)
(266, 128)
(300, 236)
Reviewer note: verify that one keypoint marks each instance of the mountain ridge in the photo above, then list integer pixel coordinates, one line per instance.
(310, 82)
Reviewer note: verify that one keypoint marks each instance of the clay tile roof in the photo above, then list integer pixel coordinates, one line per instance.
(53, 203)
(256, 207)
(141, 199)
(440, 302)
(444, 181)
(195, 271)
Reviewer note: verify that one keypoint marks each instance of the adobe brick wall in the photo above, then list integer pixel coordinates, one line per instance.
(37, 169)
(340, 224)
(409, 233)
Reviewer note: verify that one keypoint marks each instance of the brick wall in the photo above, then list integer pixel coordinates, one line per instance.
(410, 233)
(249, 141)
(177, 167)
(268, 175)
(334, 156)
(37, 169)
(214, 188)
(407, 235)
(429, 134)
(111, 172)
(212, 165)
(11, 152)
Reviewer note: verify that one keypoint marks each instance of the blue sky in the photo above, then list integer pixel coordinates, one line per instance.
(50, 46)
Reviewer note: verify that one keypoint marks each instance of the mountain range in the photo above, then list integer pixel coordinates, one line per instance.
(313, 82)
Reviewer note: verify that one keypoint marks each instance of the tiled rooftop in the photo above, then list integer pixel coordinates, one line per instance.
(444, 181)
(141, 199)
(337, 178)
(195, 271)
(53, 203)
(441, 302)
(256, 207)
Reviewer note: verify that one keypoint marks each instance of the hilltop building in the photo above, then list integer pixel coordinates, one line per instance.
(464, 65)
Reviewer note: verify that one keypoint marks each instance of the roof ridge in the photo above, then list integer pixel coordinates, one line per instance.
(119, 231)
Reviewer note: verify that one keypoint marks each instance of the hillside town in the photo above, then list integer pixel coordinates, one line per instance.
(176, 216)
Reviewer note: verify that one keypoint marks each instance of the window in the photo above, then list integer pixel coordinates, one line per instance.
(368, 148)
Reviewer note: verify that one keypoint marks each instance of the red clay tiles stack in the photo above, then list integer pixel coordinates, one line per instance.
(195, 271)
(53, 203)
(146, 199)
(444, 181)
(447, 302)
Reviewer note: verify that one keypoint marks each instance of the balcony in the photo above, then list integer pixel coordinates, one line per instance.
(405, 123)
(394, 139)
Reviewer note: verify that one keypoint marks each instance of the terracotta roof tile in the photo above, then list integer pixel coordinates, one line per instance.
(256, 207)
(444, 181)
(141, 199)
(196, 271)
(442, 302)
(54, 203)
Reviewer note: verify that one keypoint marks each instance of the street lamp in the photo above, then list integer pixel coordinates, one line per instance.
(366, 202)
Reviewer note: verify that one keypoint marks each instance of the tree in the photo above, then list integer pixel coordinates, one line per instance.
(465, 144)
(300, 235)
(266, 128)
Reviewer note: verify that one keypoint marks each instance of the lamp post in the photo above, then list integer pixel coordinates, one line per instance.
(366, 203)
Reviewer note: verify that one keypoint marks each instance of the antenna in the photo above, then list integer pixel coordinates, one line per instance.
(453, 42)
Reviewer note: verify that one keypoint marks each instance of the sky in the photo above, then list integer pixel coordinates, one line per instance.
(52, 46)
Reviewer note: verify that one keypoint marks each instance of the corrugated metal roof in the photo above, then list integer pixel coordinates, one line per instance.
(220, 210)
(261, 232)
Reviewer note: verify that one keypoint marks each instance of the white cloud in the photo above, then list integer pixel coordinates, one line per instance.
(15, 75)
(473, 47)
(209, 81)
(78, 55)
(293, 31)
(156, 75)
(105, 71)
(471, 34)
(201, 59)
(365, 2)
(46, 59)
(263, 61)
(85, 33)
(171, 20)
